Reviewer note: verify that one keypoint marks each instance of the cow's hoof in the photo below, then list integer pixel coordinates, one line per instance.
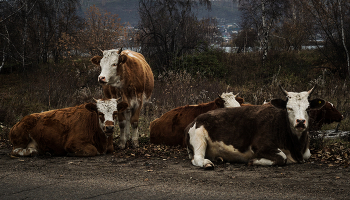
(209, 166)
(219, 160)
(135, 143)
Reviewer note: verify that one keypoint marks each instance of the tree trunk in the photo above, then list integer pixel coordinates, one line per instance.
(343, 37)
(265, 32)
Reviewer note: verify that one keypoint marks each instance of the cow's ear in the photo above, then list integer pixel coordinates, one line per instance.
(122, 59)
(122, 106)
(239, 100)
(91, 107)
(279, 103)
(220, 103)
(317, 104)
(96, 60)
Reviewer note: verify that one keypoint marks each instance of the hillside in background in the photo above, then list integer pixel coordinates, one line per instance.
(225, 11)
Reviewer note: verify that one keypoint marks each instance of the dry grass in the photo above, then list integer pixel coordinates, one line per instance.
(74, 82)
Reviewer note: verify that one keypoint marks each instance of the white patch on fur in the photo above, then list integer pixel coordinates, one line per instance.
(262, 161)
(289, 156)
(230, 100)
(296, 108)
(307, 154)
(198, 140)
(131, 55)
(228, 152)
(134, 103)
(283, 155)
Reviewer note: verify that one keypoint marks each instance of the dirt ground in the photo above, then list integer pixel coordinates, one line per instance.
(162, 172)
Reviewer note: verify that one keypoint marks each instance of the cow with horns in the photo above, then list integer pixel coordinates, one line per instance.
(258, 135)
(126, 74)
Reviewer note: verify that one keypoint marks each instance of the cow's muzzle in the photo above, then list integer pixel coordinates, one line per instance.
(300, 124)
(109, 130)
(102, 80)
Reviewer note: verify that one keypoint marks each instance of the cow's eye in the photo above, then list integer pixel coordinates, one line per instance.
(289, 109)
(100, 114)
(114, 64)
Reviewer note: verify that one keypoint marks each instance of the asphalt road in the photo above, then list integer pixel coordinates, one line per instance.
(109, 177)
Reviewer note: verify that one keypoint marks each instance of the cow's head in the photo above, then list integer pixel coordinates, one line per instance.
(297, 105)
(227, 100)
(330, 113)
(111, 60)
(107, 110)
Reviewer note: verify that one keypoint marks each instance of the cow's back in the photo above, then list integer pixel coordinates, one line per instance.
(242, 125)
(169, 128)
(137, 74)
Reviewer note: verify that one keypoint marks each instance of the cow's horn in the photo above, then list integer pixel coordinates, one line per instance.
(120, 50)
(312, 89)
(100, 49)
(283, 90)
(94, 99)
(236, 94)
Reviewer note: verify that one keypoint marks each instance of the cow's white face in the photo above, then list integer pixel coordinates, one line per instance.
(230, 100)
(297, 106)
(107, 114)
(109, 64)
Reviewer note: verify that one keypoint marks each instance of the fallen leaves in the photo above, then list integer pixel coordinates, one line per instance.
(332, 153)
(147, 150)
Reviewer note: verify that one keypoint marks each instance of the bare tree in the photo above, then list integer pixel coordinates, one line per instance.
(329, 31)
(102, 30)
(30, 29)
(263, 16)
(169, 29)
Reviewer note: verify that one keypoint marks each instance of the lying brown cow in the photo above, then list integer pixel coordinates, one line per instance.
(169, 128)
(84, 130)
(326, 115)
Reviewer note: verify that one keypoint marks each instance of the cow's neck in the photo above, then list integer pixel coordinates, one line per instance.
(100, 138)
(120, 77)
(297, 141)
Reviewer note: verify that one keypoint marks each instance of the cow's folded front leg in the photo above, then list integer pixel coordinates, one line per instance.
(82, 150)
(270, 157)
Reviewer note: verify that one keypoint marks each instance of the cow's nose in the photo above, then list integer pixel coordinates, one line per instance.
(109, 128)
(102, 79)
(300, 121)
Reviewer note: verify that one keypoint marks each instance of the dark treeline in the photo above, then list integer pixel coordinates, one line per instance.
(171, 36)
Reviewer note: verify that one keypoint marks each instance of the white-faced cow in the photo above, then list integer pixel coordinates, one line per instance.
(258, 135)
(169, 128)
(84, 130)
(126, 74)
(325, 115)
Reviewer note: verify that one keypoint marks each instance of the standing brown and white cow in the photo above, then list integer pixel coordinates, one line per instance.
(84, 130)
(260, 135)
(126, 74)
